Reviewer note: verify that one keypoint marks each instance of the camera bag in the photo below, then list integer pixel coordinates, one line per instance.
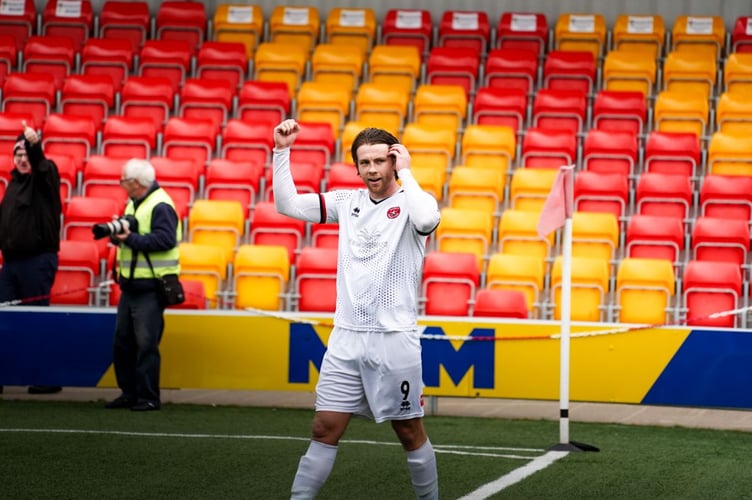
(169, 288)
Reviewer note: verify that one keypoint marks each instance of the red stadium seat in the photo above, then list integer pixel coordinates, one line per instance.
(307, 178)
(499, 106)
(325, 235)
(71, 20)
(261, 101)
(77, 274)
(82, 213)
(720, 240)
(343, 176)
(54, 55)
(672, 153)
(204, 99)
(101, 179)
(711, 287)
(11, 126)
(523, 30)
(453, 66)
(741, 36)
(560, 110)
(72, 135)
(315, 144)
(269, 227)
(548, 148)
(449, 283)
(170, 59)
(112, 57)
(234, 180)
(616, 110)
(8, 56)
(570, 70)
(664, 194)
(129, 137)
(726, 197)
(511, 68)
(500, 303)
(181, 21)
(20, 24)
(601, 192)
(181, 178)
(408, 27)
(655, 237)
(151, 97)
(88, 95)
(31, 93)
(248, 141)
(315, 282)
(66, 167)
(130, 21)
(224, 61)
(465, 29)
(610, 152)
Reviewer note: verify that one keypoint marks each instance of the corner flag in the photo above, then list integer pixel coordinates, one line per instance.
(559, 204)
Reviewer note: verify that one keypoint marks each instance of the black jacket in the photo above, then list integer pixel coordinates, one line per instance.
(31, 209)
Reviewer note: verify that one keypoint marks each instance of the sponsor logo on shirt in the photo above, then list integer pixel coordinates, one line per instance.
(355, 212)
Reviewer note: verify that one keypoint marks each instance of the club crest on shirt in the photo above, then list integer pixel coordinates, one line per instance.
(393, 212)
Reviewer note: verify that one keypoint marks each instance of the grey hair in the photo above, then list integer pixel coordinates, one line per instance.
(140, 170)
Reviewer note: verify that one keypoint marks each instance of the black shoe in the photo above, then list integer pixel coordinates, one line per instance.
(121, 402)
(44, 389)
(146, 406)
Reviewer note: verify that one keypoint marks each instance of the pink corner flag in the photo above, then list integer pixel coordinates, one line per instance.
(559, 204)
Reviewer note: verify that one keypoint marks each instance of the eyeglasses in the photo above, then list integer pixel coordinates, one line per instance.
(21, 155)
(126, 181)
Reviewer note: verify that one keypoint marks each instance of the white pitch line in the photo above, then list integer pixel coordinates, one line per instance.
(515, 476)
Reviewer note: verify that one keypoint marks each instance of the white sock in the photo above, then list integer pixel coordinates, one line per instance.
(313, 469)
(422, 466)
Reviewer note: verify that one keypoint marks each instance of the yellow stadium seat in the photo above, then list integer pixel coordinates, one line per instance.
(430, 144)
(217, 222)
(395, 65)
(733, 113)
(681, 112)
(595, 235)
(581, 32)
(465, 231)
(639, 33)
(530, 187)
(239, 23)
(518, 234)
(696, 34)
(523, 273)
(260, 277)
(437, 104)
(685, 71)
(730, 154)
(337, 65)
(431, 179)
(207, 264)
(281, 62)
(351, 129)
(629, 71)
(644, 290)
(295, 25)
(737, 72)
(353, 27)
(493, 146)
(322, 102)
(476, 188)
(382, 105)
(589, 291)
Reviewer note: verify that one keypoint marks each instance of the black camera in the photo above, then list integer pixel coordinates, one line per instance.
(116, 226)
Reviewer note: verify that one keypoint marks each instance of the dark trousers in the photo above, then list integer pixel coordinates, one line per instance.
(138, 330)
(28, 280)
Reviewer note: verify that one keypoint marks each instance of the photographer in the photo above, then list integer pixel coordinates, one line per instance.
(30, 215)
(140, 312)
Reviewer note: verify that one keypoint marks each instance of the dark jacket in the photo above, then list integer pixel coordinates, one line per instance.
(164, 223)
(31, 209)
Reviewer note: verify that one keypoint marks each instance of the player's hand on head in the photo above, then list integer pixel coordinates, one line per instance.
(285, 133)
(401, 156)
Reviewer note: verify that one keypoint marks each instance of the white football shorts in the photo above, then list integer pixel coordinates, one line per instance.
(374, 375)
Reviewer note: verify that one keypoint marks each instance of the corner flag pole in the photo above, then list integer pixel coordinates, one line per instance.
(557, 212)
